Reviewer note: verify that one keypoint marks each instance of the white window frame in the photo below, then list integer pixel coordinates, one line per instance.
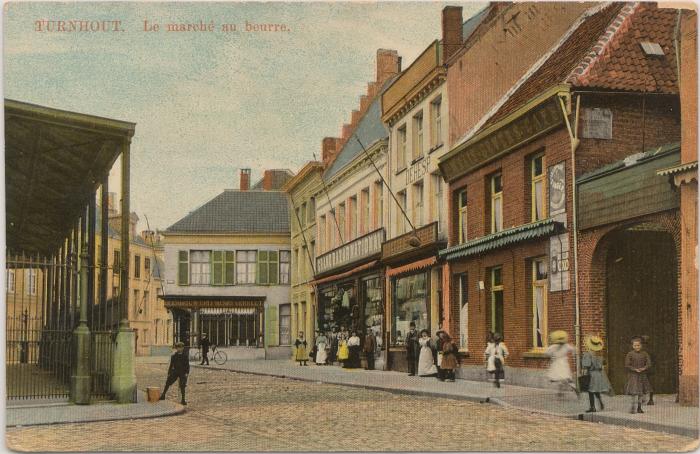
(285, 259)
(417, 145)
(246, 266)
(401, 136)
(462, 219)
(200, 270)
(496, 203)
(541, 190)
(436, 126)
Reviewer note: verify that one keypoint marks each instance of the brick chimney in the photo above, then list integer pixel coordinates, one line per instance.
(372, 89)
(329, 147)
(388, 64)
(347, 130)
(451, 30)
(267, 180)
(245, 179)
(148, 236)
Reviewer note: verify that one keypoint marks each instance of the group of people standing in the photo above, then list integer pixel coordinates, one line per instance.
(431, 357)
(337, 346)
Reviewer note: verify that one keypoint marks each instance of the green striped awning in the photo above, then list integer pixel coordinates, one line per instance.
(503, 238)
(678, 168)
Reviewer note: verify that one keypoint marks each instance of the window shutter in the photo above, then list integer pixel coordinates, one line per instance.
(273, 268)
(217, 276)
(183, 273)
(230, 268)
(262, 267)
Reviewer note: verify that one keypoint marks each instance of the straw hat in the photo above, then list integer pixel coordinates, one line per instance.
(594, 343)
(558, 337)
(179, 344)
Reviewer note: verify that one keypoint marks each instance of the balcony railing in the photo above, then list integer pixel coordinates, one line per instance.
(356, 250)
(428, 236)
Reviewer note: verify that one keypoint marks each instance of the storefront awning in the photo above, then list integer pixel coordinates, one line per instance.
(335, 277)
(415, 266)
(228, 310)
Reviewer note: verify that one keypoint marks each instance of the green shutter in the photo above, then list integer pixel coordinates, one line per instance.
(183, 273)
(271, 326)
(217, 275)
(230, 268)
(273, 268)
(262, 267)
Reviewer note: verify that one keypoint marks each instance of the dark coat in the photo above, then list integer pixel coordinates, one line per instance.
(449, 355)
(179, 364)
(412, 346)
(637, 382)
(370, 343)
(204, 344)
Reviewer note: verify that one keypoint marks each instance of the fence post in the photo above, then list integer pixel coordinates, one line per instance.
(80, 380)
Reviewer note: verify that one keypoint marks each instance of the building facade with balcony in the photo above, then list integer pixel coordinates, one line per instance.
(227, 271)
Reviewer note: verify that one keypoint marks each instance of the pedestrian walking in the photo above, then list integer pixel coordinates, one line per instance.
(300, 349)
(321, 344)
(204, 346)
(592, 363)
(646, 345)
(449, 357)
(637, 362)
(559, 371)
(178, 369)
(353, 361)
(343, 351)
(496, 353)
(370, 347)
(426, 364)
(412, 349)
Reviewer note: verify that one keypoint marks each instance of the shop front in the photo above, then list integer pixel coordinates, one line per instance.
(349, 290)
(414, 279)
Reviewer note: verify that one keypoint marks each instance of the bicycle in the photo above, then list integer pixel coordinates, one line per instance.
(218, 356)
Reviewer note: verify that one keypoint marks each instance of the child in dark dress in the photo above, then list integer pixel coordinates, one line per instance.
(646, 344)
(637, 362)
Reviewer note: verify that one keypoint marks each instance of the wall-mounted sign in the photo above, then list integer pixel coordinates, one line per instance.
(358, 249)
(597, 123)
(417, 170)
(557, 189)
(559, 263)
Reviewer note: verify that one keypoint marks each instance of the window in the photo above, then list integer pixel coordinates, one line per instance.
(401, 148)
(302, 214)
(400, 218)
(496, 300)
(285, 324)
(10, 281)
(285, 257)
(353, 217)
(436, 122)
(137, 267)
(321, 233)
(496, 203)
(229, 267)
(246, 262)
(297, 270)
(364, 228)
(312, 210)
(463, 297)
(146, 302)
(303, 260)
(116, 262)
(418, 135)
(462, 215)
(437, 202)
(217, 262)
(411, 304)
(539, 303)
(30, 279)
(539, 208)
(200, 267)
(418, 204)
(183, 271)
(341, 222)
(147, 266)
(136, 304)
(268, 267)
(378, 204)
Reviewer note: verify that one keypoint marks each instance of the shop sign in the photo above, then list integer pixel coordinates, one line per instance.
(427, 234)
(559, 263)
(199, 304)
(358, 249)
(416, 171)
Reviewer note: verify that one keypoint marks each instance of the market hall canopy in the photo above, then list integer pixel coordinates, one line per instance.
(54, 162)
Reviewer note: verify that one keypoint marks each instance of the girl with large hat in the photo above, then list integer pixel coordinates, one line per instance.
(559, 371)
(592, 363)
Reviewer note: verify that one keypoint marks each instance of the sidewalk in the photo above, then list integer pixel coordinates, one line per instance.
(52, 411)
(665, 416)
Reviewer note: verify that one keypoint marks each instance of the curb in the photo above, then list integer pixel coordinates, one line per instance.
(588, 417)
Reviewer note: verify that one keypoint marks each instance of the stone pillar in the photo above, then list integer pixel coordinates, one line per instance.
(80, 379)
(123, 373)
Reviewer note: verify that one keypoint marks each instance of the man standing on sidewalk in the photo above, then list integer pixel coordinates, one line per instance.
(179, 369)
(369, 348)
(204, 345)
(412, 349)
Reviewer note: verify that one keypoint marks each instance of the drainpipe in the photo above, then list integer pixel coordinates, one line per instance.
(573, 135)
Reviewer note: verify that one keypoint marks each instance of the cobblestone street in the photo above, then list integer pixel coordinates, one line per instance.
(230, 411)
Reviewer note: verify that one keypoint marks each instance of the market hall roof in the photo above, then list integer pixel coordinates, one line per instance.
(54, 162)
(238, 212)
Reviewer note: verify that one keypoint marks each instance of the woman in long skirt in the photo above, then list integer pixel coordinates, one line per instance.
(300, 353)
(426, 366)
(321, 344)
(353, 361)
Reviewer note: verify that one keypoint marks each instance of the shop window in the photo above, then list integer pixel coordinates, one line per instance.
(496, 324)
(462, 215)
(335, 307)
(539, 303)
(401, 148)
(137, 266)
(284, 267)
(183, 270)
(496, 203)
(410, 305)
(268, 265)
(417, 135)
(200, 267)
(463, 298)
(538, 182)
(285, 320)
(246, 262)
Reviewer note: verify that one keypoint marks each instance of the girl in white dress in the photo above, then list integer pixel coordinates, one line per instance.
(559, 371)
(321, 355)
(426, 366)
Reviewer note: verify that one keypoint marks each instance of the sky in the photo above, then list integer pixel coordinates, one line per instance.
(207, 104)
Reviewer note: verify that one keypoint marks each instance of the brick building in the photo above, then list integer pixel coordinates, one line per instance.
(606, 95)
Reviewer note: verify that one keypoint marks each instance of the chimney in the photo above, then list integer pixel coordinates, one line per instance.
(245, 179)
(364, 104)
(329, 147)
(451, 31)
(388, 64)
(148, 236)
(267, 180)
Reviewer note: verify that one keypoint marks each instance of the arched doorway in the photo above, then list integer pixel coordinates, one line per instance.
(642, 299)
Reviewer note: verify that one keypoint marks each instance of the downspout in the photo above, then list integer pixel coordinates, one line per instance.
(573, 135)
